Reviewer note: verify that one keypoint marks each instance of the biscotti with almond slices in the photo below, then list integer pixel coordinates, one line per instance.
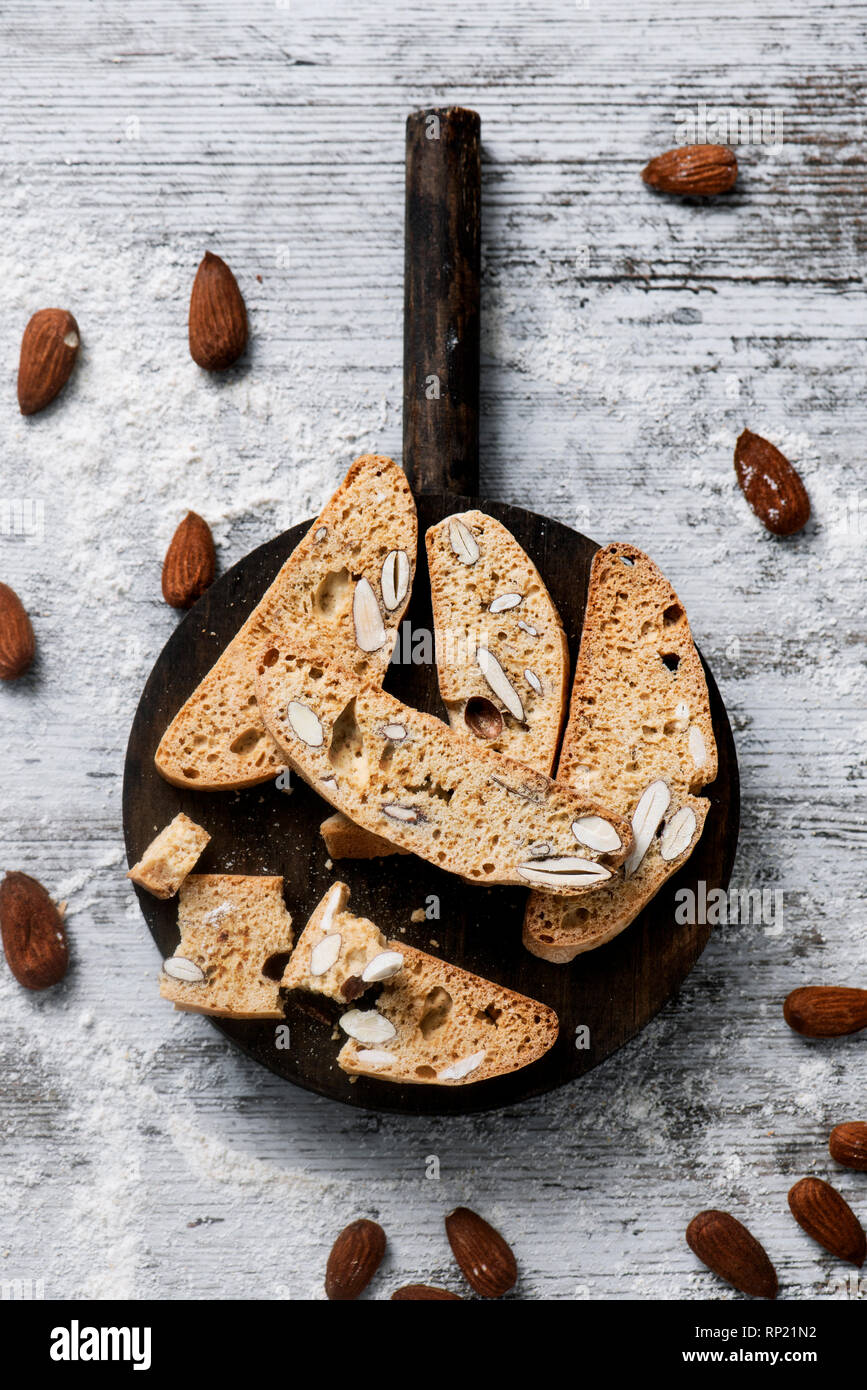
(338, 954)
(432, 1024)
(437, 1025)
(501, 652)
(231, 926)
(170, 857)
(347, 584)
(639, 737)
(406, 776)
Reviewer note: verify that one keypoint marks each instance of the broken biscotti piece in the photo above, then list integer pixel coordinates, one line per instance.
(433, 1024)
(231, 925)
(338, 954)
(346, 840)
(501, 652)
(640, 737)
(405, 776)
(346, 584)
(170, 857)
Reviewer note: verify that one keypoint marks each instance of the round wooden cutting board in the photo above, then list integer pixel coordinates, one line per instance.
(612, 991)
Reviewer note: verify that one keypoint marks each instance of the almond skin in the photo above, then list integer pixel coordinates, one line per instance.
(826, 1011)
(218, 316)
(771, 485)
(17, 644)
(695, 170)
(486, 1261)
(48, 352)
(819, 1210)
(188, 569)
(429, 1292)
(34, 938)
(728, 1249)
(354, 1259)
(848, 1145)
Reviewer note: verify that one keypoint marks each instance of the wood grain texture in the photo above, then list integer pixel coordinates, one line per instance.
(627, 339)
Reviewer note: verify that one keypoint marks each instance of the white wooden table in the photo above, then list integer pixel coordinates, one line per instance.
(627, 340)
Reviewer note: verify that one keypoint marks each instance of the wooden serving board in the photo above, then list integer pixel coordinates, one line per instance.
(613, 991)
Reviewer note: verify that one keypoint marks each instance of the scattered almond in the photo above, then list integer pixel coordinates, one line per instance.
(728, 1249)
(17, 644)
(34, 938)
(417, 1292)
(826, 1011)
(48, 352)
(354, 1259)
(696, 170)
(218, 317)
(819, 1210)
(486, 1261)
(848, 1145)
(771, 485)
(190, 562)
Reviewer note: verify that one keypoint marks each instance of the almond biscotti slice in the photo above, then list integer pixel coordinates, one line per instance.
(437, 1025)
(406, 776)
(338, 954)
(347, 584)
(170, 857)
(231, 925)
(640, 737)
(502, 658)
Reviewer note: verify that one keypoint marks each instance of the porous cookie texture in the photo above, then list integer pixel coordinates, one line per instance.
(170, 857)
(405, 776)
(231, 926)
(439, 1025)
(347, 584)
(501, 652)
(338, 954)
(639, 736)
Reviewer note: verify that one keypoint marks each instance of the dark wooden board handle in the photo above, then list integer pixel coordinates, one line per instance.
(441, 300)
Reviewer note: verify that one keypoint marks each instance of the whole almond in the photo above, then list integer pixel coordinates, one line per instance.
(218, 317)
(848, 1145)
(819, 1210)
(771, 485)
(696, 170)
(34, 938)
(486, 1261)
(429, 1292)
(48, 352)
(17, 644)
(354, 1259)
(826, 1011)
(190, 562)
(726, 1246)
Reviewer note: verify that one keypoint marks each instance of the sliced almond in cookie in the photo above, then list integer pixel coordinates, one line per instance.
(463, 542)
(382, 967)
(504, 602)
(367, 1026)
(678, 833)
(305, 723)
(325, 953)
(179, 968)
(648, 815)
(562, 872)
(596, 833)
(369, 628)
(395, 578)
(500, 683)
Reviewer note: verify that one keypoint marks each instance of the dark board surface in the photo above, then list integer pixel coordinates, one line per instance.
(613, 991)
